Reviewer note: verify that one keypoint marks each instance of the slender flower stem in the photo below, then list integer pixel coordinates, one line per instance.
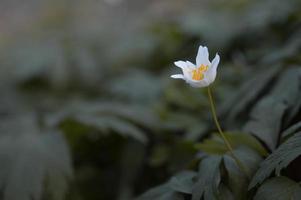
(227, 143)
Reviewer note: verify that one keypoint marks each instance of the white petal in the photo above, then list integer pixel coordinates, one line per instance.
(183, 65)
(180, 64)
(211, 73)
(198, 84)
(190, 64)
(215, 61)
(178, 76)
(202, 56)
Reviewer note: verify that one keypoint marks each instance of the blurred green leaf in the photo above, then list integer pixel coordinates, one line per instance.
(160, 155)
(106, 124)
(31, 166)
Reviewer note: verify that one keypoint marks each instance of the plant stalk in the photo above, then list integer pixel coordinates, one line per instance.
(226, 141)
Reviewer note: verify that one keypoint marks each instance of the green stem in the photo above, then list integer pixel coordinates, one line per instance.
(227, 143)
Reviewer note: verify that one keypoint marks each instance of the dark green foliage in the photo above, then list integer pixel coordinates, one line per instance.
(277, 103)
(180, 183)
(29, 161)
(279, 159)
(291, 130)
(279, 188)
(163, 192)
(216, 145)
(252, 89)
(208, 178)
(237, 181)
(92, 78)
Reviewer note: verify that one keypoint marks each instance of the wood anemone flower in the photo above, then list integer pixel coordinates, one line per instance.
(202, 73)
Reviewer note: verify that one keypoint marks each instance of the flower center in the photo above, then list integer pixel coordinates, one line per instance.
(198, 74)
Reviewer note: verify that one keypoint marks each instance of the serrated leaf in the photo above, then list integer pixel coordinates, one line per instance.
(279, 159)
(291, 130)
(279, 188)
(208, 179)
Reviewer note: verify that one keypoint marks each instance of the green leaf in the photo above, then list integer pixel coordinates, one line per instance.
(266, 121)
(183, 182)
(215, 145)
(135, 114)
(107, 123)
(208, 179)
(225, 193)
(162, 192)
(249, 158)
(122, 119)
(267, 117)
(288, 91)
(236, 180)
(279, 159)
(243, 139)
(31, 160)
(279, 188)
(291, 130)
(180, 183)
(212, 146)
(248, 92)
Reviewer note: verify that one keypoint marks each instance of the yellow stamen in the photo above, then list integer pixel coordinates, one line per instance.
(198, 74)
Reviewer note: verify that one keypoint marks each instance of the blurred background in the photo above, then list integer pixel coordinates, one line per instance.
(87, 108)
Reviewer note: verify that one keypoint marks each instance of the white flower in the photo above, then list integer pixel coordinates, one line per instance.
(202, 73)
